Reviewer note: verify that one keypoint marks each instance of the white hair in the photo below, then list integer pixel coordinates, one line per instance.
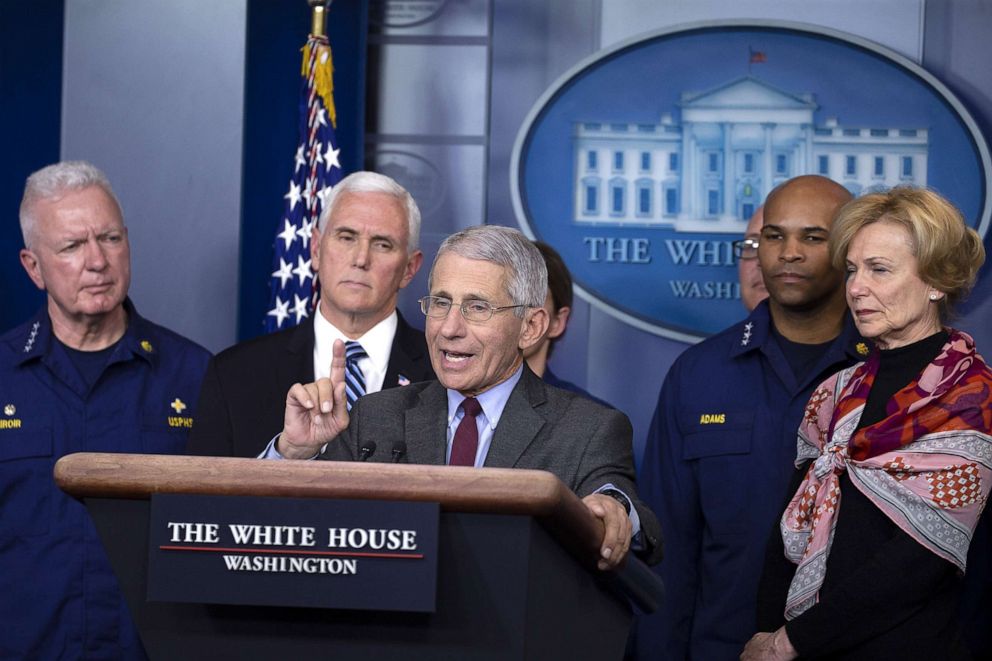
(373, 182)
(56, 180)
(527, 276)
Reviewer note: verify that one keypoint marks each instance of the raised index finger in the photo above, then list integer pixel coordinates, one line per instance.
(337, 362)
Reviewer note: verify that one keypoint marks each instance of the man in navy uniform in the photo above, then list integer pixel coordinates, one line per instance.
(86, 374)
(365, 249)
(721, 447)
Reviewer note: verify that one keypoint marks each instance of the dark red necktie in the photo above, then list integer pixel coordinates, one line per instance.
(466, 440)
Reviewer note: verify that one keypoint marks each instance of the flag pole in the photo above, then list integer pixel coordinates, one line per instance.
(318, 18)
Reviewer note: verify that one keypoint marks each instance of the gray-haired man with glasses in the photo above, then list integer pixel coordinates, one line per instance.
(486, 408)
(748, 269)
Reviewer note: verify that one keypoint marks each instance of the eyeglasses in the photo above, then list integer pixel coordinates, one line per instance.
(745, 248)
(438, 307)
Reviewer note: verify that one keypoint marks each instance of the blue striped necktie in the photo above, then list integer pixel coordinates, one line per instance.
(353, 377)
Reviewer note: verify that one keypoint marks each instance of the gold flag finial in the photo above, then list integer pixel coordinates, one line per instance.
(317, 61)
(318, 17)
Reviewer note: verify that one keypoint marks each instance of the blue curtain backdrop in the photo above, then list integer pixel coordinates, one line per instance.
(30, 117)
(277, 30)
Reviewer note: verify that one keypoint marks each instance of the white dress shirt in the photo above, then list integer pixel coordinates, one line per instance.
(377, 342)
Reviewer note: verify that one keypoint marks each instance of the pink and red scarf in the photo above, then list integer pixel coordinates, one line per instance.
(927, 465)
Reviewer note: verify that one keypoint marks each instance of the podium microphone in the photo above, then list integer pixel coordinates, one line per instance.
(366, 451)
(399, 451)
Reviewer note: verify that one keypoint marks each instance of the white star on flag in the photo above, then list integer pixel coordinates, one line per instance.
(284, 272)
(280, 312)
(300, 161)
(331, 157)
(323, 193)
(308, 192)
(305, 232)
(293, 195)
(301, 308)
(288, 234)
(302, 269)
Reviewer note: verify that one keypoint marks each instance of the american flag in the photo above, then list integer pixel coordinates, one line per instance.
(316, 169)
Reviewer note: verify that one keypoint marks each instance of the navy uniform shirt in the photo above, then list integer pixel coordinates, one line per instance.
(717, 463)
(59, 598)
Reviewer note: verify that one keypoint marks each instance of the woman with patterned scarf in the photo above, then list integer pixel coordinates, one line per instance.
(895, 454)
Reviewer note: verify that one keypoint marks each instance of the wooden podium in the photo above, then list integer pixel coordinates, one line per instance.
(516, 574)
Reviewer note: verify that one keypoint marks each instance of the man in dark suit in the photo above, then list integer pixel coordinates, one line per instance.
(364, 250)
(487, 408)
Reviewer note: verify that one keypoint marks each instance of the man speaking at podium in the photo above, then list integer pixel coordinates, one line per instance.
(485, 308)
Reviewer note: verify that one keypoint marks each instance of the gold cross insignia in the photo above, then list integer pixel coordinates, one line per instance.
(178, 406)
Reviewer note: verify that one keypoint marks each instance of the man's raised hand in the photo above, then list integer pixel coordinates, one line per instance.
(315, 412)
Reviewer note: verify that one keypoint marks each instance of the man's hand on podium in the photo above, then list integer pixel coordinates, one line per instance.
(617, 529)
(315, 412)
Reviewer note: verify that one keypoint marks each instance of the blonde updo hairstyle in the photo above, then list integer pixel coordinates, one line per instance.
(948, 252)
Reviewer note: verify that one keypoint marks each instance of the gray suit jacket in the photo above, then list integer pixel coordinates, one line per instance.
(584, 444)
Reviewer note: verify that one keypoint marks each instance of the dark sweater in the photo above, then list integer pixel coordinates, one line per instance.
(884, 594)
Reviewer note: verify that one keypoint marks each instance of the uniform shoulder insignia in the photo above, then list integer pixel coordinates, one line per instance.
(746, 338)
(32, 337)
